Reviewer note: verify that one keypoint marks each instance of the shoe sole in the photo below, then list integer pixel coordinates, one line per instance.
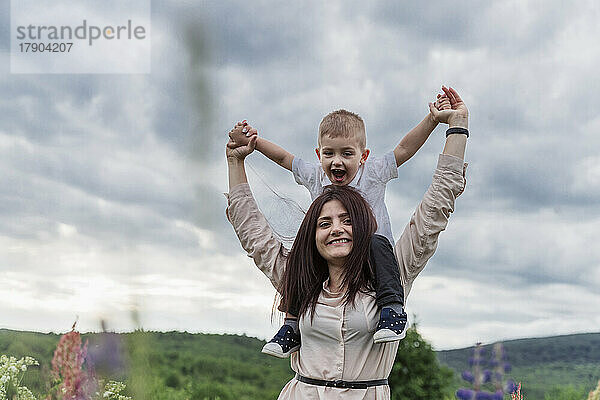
(387, 336)
(273, 350)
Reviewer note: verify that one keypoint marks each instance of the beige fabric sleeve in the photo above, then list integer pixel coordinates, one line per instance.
(255, 234)
(420, 236)
(415, 247)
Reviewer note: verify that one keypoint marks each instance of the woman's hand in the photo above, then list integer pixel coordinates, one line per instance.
(236, 151)
(241, 137)
(457, 116)
(442, 102)
(235, 158)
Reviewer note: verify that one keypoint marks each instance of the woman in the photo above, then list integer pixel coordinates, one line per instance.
(338, 358)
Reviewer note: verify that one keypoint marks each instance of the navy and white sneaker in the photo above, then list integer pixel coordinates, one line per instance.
(391, 326)
(285, 342)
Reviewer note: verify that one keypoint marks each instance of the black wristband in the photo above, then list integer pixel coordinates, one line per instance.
(463, 131)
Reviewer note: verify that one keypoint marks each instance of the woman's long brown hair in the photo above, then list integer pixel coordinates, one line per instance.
(306, 270)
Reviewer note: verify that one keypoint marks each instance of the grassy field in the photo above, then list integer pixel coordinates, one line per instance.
(170, 365)
(543, 364)
(177, 366)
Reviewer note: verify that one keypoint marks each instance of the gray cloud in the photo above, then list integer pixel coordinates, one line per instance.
(5, 26)
(531, 26)
(286, 32)
(134, 164)
(430, 21)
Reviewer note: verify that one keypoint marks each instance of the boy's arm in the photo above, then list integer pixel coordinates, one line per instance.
(275, 153)
(240, 136)
(413, 140)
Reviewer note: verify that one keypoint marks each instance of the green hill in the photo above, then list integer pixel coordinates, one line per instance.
(178, 366)
(170, 365)
(543, 363)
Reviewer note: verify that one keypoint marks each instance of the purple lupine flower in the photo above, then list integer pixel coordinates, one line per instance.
(465, 394)
(499, 395)
(487, 375)
(105, 354)
(483, 396)
(467, 376)
(497, 367)
(510, 386)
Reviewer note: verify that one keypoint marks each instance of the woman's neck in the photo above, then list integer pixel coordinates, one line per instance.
(335, 277)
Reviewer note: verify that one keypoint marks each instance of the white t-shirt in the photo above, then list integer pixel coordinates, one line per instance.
(370, 181)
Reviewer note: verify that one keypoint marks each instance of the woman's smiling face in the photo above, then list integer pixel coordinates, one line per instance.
(333, 235)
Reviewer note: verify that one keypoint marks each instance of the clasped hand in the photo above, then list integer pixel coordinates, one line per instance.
(448, 108)
(456, 115)
(242, 141)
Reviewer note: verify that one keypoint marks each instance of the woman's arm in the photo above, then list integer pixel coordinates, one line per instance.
(456, 117)
(251, 227)
(235, 160)
(418, 241)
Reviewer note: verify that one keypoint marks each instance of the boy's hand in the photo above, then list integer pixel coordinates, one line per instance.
(240, 134)
(238, 152)
(458, 115)
(442, 102)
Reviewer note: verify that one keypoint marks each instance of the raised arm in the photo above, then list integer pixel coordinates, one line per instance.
(419, 240)
(456, 117)
(241, 134)
(236, 169)
(251, 227)
(413, 140)
(275, 153)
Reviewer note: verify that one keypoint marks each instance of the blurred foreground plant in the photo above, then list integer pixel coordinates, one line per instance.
(595, 394)
(11, 374)
(73, 379)
(112, 391)
(516, 395)
(73, 376)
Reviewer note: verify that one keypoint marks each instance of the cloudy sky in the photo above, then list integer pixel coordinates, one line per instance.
(111, 185)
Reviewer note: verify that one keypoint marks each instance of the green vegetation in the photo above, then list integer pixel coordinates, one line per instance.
(566, 393)
(170, 366)
(553, 368)
(417, 374)
(178, 366)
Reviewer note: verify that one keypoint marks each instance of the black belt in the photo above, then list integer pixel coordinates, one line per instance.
(342, 384)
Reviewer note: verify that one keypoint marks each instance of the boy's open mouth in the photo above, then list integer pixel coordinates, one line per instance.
(338, 175)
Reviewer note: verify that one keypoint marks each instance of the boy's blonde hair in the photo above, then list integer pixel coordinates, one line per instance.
(343, 123)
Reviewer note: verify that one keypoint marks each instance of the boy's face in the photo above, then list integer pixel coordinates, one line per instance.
(340, 158)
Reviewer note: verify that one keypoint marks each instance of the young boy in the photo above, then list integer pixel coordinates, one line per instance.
(343, 155)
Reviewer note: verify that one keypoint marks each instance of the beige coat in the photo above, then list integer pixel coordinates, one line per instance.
(339, 342)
